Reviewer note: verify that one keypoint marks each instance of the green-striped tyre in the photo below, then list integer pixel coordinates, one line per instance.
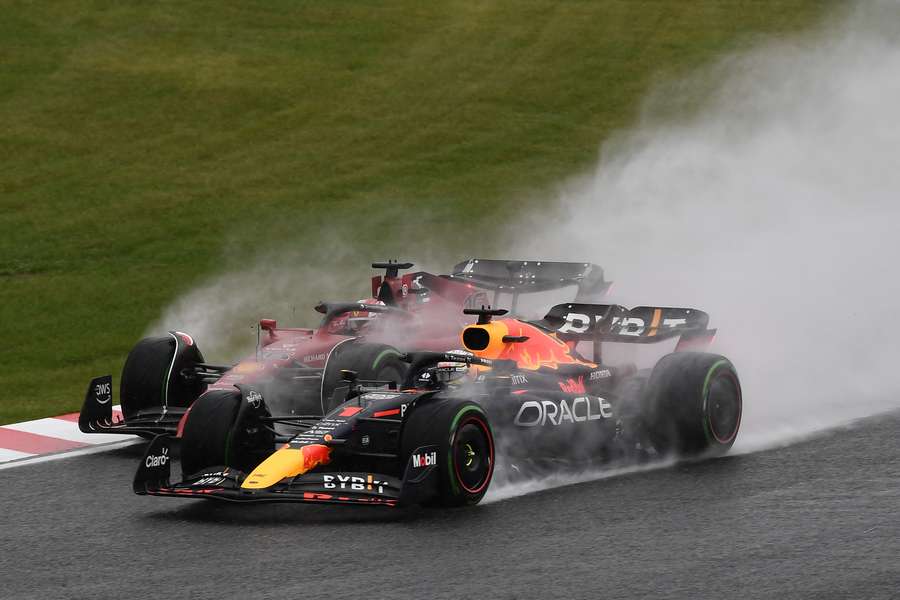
(371, 362)
(465, 447)
(694, 402)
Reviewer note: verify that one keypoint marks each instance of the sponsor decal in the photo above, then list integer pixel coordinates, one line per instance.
(321, 429)
(353, 483)
(158, 461)
(516, 379)
(601, 374)
(380, 396)
(314, 357)
(636, 326)
(460, 352)
(535, 413)
(103, 392)
(254, 398)
(572, 386)
(421, 460)
(576, 323)
(208, 481)
(364, 440)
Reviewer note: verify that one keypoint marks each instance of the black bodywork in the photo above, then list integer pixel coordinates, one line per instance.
(536, 423)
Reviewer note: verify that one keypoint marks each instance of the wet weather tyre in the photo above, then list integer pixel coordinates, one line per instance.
(465, 448)
(151, 377)
(371, 362)
(217, 432)
(695, 404)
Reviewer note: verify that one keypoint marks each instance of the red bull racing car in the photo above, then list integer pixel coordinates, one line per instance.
(519, 388)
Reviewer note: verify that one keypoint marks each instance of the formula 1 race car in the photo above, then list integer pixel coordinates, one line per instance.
(297, 370)
(519, 387)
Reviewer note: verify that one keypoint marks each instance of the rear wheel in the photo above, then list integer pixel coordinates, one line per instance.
(372, 362)
(465, 448)
(222, 430)
(152, 376)
(695, 404)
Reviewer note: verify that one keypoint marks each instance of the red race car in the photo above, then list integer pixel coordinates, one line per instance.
(298, 370)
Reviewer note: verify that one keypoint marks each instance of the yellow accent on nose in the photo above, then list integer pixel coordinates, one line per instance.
(287, 462)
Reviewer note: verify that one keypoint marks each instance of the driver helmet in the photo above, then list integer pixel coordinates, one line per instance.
(354, 321)
(449, 372)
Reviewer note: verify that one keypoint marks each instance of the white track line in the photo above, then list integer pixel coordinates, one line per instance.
(69, 453)
(63, 429)
(7, 455)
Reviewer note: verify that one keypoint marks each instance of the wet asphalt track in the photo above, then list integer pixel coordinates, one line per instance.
(820, 519)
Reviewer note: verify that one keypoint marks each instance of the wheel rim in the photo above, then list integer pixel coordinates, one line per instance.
(723, 402)
(473, 455)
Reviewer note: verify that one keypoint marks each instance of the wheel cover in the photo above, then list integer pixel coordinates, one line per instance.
(473, 455)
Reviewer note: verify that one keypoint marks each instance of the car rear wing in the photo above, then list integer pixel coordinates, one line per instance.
(524, 276)
(642, 324)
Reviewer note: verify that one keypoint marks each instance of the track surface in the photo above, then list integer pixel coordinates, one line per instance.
(814, 520)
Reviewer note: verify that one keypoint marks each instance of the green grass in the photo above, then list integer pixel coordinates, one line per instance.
(146, 145)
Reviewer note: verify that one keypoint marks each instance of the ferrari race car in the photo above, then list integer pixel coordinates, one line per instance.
(518, 387)
(297, 370)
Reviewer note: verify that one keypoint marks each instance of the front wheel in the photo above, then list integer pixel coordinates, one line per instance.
(465, 448)
(695, 404)
(222, 430)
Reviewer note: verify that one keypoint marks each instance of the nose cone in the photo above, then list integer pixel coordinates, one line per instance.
(286, 462)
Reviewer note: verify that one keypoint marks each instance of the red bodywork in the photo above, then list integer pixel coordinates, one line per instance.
(433, 320)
